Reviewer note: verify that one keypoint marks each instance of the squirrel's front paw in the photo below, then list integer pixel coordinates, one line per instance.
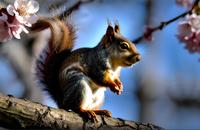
(118, 87)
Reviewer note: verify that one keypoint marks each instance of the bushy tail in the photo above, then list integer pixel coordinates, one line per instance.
(50, 59)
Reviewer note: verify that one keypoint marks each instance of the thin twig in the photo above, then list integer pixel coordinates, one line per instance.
(165, 23)
(57, 4)
(76, 6)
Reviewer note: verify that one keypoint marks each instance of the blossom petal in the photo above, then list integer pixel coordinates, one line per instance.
(20, 18)
(32, 19)
(5, 32)
(10, 9)
(24, 29)
(194, 21)
(19, 30)
(32, 7)
(4, 17)
(20, 3)
(16, 35)
(28, 24)
(184, 29)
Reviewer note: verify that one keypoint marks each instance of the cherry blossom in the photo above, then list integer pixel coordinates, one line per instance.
(194, 21)
(13, 19)
(189, 33)
(24, 11)
(189, 28)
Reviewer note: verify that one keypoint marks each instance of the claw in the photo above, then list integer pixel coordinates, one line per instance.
(89, 114)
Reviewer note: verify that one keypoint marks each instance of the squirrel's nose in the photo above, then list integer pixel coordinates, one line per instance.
(138, 57)
(134, 58)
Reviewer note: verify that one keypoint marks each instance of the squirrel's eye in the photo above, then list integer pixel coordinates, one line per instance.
(124, 45)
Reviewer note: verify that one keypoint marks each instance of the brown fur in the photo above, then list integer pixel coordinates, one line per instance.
(50, 60)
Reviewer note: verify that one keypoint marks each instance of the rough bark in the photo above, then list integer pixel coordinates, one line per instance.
(21, 113)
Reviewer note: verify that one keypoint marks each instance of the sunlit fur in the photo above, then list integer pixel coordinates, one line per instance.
(97, 67)
(119, 56)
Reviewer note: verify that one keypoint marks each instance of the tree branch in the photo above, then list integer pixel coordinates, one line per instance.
(76, 6)
(164, 24)
(21, 113)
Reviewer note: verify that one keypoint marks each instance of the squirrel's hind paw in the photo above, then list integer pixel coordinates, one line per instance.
(92, 114)
(103, 112)
(88, 114)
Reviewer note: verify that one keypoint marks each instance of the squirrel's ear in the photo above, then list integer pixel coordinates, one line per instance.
(108, 37)
(117, 29)
(110, 31)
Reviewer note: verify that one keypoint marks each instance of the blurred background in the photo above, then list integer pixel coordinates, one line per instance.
(164, 88)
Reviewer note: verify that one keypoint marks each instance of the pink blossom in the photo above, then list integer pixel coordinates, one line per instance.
(9, 27)
(184, 30)
(13, 19)
(193, 43)
(189, 36)
(4, 29)
(24, 11)
(194, 21)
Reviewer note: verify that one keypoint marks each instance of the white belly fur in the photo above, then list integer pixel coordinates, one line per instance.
(93, 95)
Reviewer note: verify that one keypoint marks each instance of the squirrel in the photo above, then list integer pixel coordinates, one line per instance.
(77, 79)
